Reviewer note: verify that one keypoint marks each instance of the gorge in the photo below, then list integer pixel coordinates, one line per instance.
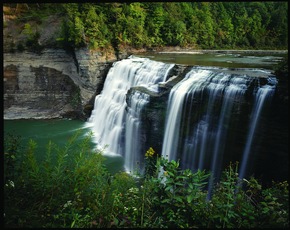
(212, 124)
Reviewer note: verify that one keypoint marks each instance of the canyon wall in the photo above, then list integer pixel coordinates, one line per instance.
(52, 84)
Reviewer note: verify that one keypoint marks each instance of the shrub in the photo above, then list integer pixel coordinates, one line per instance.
(71, 187)
(64, 190)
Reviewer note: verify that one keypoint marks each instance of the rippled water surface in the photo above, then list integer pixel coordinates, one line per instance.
(220, 59)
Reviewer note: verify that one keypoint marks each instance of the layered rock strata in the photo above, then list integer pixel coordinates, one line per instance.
(53, 84)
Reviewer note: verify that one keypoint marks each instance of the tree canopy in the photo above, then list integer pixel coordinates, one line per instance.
(207, 25)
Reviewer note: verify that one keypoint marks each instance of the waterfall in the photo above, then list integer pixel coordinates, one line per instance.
(115, 129)
(211, 118)
(261, 95)
(133, 155)
(203, 110)
(175, 108)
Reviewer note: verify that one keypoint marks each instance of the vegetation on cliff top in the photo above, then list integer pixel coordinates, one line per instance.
(205, 25)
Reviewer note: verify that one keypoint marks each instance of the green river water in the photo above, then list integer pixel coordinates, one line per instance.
(57, 131)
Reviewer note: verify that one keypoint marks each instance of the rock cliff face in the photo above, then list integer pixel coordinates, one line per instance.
(53, 84)
(42, 81)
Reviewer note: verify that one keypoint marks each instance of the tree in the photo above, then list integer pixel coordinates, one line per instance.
(206, 31)
(223, 27)
(154, 22)
(279, 23)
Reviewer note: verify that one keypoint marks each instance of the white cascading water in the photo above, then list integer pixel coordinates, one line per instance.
(174, 111)
(234, 91)
(205, 140)
(213, 138)
(263, 93)
(109, 121)
(132, 159)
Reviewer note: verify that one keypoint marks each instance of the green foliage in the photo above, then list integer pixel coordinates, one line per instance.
(33, 36)
(235, 207)
(154, 23)
(28, 30)
(71, 187)
(58, 191)
(75, 100)
(255, 25)
(12, 149)
(178, 196)
(35, 12)
(230, 207)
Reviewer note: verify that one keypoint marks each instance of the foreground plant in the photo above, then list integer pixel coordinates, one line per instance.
(71, 187)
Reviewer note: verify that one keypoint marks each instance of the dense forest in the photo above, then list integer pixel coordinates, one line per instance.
(199, 25)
